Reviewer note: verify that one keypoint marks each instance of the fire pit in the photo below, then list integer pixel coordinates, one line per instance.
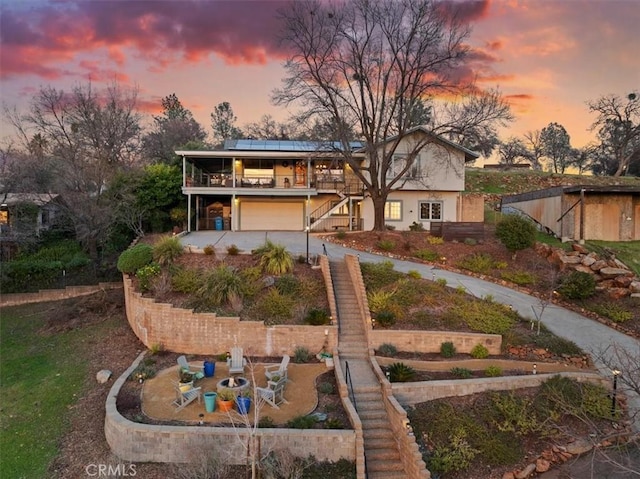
(235, 384)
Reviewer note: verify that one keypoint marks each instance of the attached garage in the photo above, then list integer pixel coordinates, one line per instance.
(268, 215)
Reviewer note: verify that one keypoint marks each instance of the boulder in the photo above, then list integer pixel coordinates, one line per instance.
(598, 265)
(609, 272)
(579, 446)
(103, 376)
(508, 475)
(617, 293)
(526, 472)
(579, 248)
(634, 286)
(622, 281)
(583, 269)
(619, 264)
(588, 260)
(542, 465)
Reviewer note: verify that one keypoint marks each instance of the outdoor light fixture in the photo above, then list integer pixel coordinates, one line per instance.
(615, 373)
(307, 231)
(535, 368)
(201, 419)
(326, 332)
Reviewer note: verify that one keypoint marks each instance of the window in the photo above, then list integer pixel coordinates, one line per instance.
(342, 211)
(395, 167)
(393, 210)
(430, 210)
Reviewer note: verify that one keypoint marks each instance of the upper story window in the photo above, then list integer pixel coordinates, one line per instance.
(398, 163)
(430, 210)
(393, 210)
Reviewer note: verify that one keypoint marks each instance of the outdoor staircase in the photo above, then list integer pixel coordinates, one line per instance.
(382, 457)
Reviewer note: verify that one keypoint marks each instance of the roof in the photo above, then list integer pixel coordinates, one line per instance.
(287, 145)
(38, 199)
(561, 190)
(468, 154)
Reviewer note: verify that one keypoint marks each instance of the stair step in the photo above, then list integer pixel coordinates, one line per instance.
(369, 405)
(376, 465)
(374, 423)
(387, 475)
(378, 443)
(369, 414)
(378, 433)
(382, 454)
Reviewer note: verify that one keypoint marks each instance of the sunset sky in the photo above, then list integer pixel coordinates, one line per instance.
(548, 57)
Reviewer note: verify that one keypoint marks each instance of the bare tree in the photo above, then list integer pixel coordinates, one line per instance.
(534, 148)
(269, 129)
(511, 152)
(88, 137)
(372, 64)
(618, 125)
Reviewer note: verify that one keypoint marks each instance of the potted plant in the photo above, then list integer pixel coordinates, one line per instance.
(226, 398)
(186, 380)
(243, 401)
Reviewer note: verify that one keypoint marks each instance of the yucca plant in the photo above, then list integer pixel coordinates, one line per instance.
(277, 260)
(223, 285)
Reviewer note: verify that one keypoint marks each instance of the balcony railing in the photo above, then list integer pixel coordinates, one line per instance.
(274, 181)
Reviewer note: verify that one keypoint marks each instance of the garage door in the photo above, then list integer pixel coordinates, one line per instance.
(271, 216)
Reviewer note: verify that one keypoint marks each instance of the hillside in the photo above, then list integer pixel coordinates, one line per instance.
(480, 180)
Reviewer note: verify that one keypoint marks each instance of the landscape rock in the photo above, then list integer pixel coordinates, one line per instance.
(610, 272)
(579, 446)
(588, 260)
(622, 281)
(598, 265)
(103, 376)
(508, 475)
(583, 269)
(542, 465)
(618, 293)
(526, 472)
(634, 286)
(579, 248)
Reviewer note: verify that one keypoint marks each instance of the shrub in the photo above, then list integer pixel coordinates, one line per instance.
(566, 395)
(613, 311)
(441, 282)
(470, 241)
(388, 350)
(386, 245)
(461, 373)
(134, 258)
(427, 255)
(156, 349)
(385, 318)
(302, 422)
(516, 232)
(485, 316)
(317, 317)
(223, 285)
(301, 355)
(578, 285)
(413, 274)
(447, 349)
(400, 373)
(480, 263)
(326, 388)
(378, 275)
(341, 235)
(167, 249)
(146, 274)
(479, 351)
(266, 422)
(493, 371)
(515, 414)
(274, 308)
(143, 372)
(455, 456)
(521, 278)
(287, 284)
(380, 300)
(209, 250)
(416, 226)
(186, 280)
(333, 423)
(233, 250)
(435, 240)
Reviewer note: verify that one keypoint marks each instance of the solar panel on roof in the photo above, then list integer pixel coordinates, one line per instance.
(285, 145)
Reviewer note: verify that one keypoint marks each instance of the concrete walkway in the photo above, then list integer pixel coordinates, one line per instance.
(592, 336)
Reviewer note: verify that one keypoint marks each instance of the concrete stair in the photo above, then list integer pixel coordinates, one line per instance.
(381, 453)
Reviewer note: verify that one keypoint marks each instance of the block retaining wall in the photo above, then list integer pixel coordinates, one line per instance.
(430, 341)
(136, 442)
(409, 394)
(54, 294)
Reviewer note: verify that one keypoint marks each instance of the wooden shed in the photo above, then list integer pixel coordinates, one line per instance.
(609, 213)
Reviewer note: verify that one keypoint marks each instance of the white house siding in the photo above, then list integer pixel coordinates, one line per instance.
(410, 208)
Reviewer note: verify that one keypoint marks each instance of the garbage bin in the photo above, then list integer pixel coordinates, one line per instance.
(209, 369)
(218, 223)
(210, 401)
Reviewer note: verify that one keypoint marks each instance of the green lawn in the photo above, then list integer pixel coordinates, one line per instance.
(626, 251)
(41, 376)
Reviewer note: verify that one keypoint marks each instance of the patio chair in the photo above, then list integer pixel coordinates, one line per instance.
(273, 394)
(236, 361)
(184, 366)
(277, 370)
(185, 396)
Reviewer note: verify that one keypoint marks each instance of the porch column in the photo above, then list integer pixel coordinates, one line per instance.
(189, 212)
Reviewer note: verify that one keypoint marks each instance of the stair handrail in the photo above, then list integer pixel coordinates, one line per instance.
(333, 287)
(346, 190)
(347, 379)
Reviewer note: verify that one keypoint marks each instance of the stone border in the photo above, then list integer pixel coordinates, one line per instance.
(138, 442)
(43, 295)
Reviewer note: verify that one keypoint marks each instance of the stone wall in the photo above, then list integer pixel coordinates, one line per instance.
(430, 341)
(55, 294)
(137, 442)
(183, 331)
(409, 394)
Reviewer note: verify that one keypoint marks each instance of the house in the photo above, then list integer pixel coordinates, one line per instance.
(582, 212)
(256, 185)
(27, 213)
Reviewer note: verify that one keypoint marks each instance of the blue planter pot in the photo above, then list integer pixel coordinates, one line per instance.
(243, 404)
(209, 369)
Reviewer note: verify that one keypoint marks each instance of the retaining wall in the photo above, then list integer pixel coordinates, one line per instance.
(182, 330)
(137, 442)
(54, 294)
(430, 341)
